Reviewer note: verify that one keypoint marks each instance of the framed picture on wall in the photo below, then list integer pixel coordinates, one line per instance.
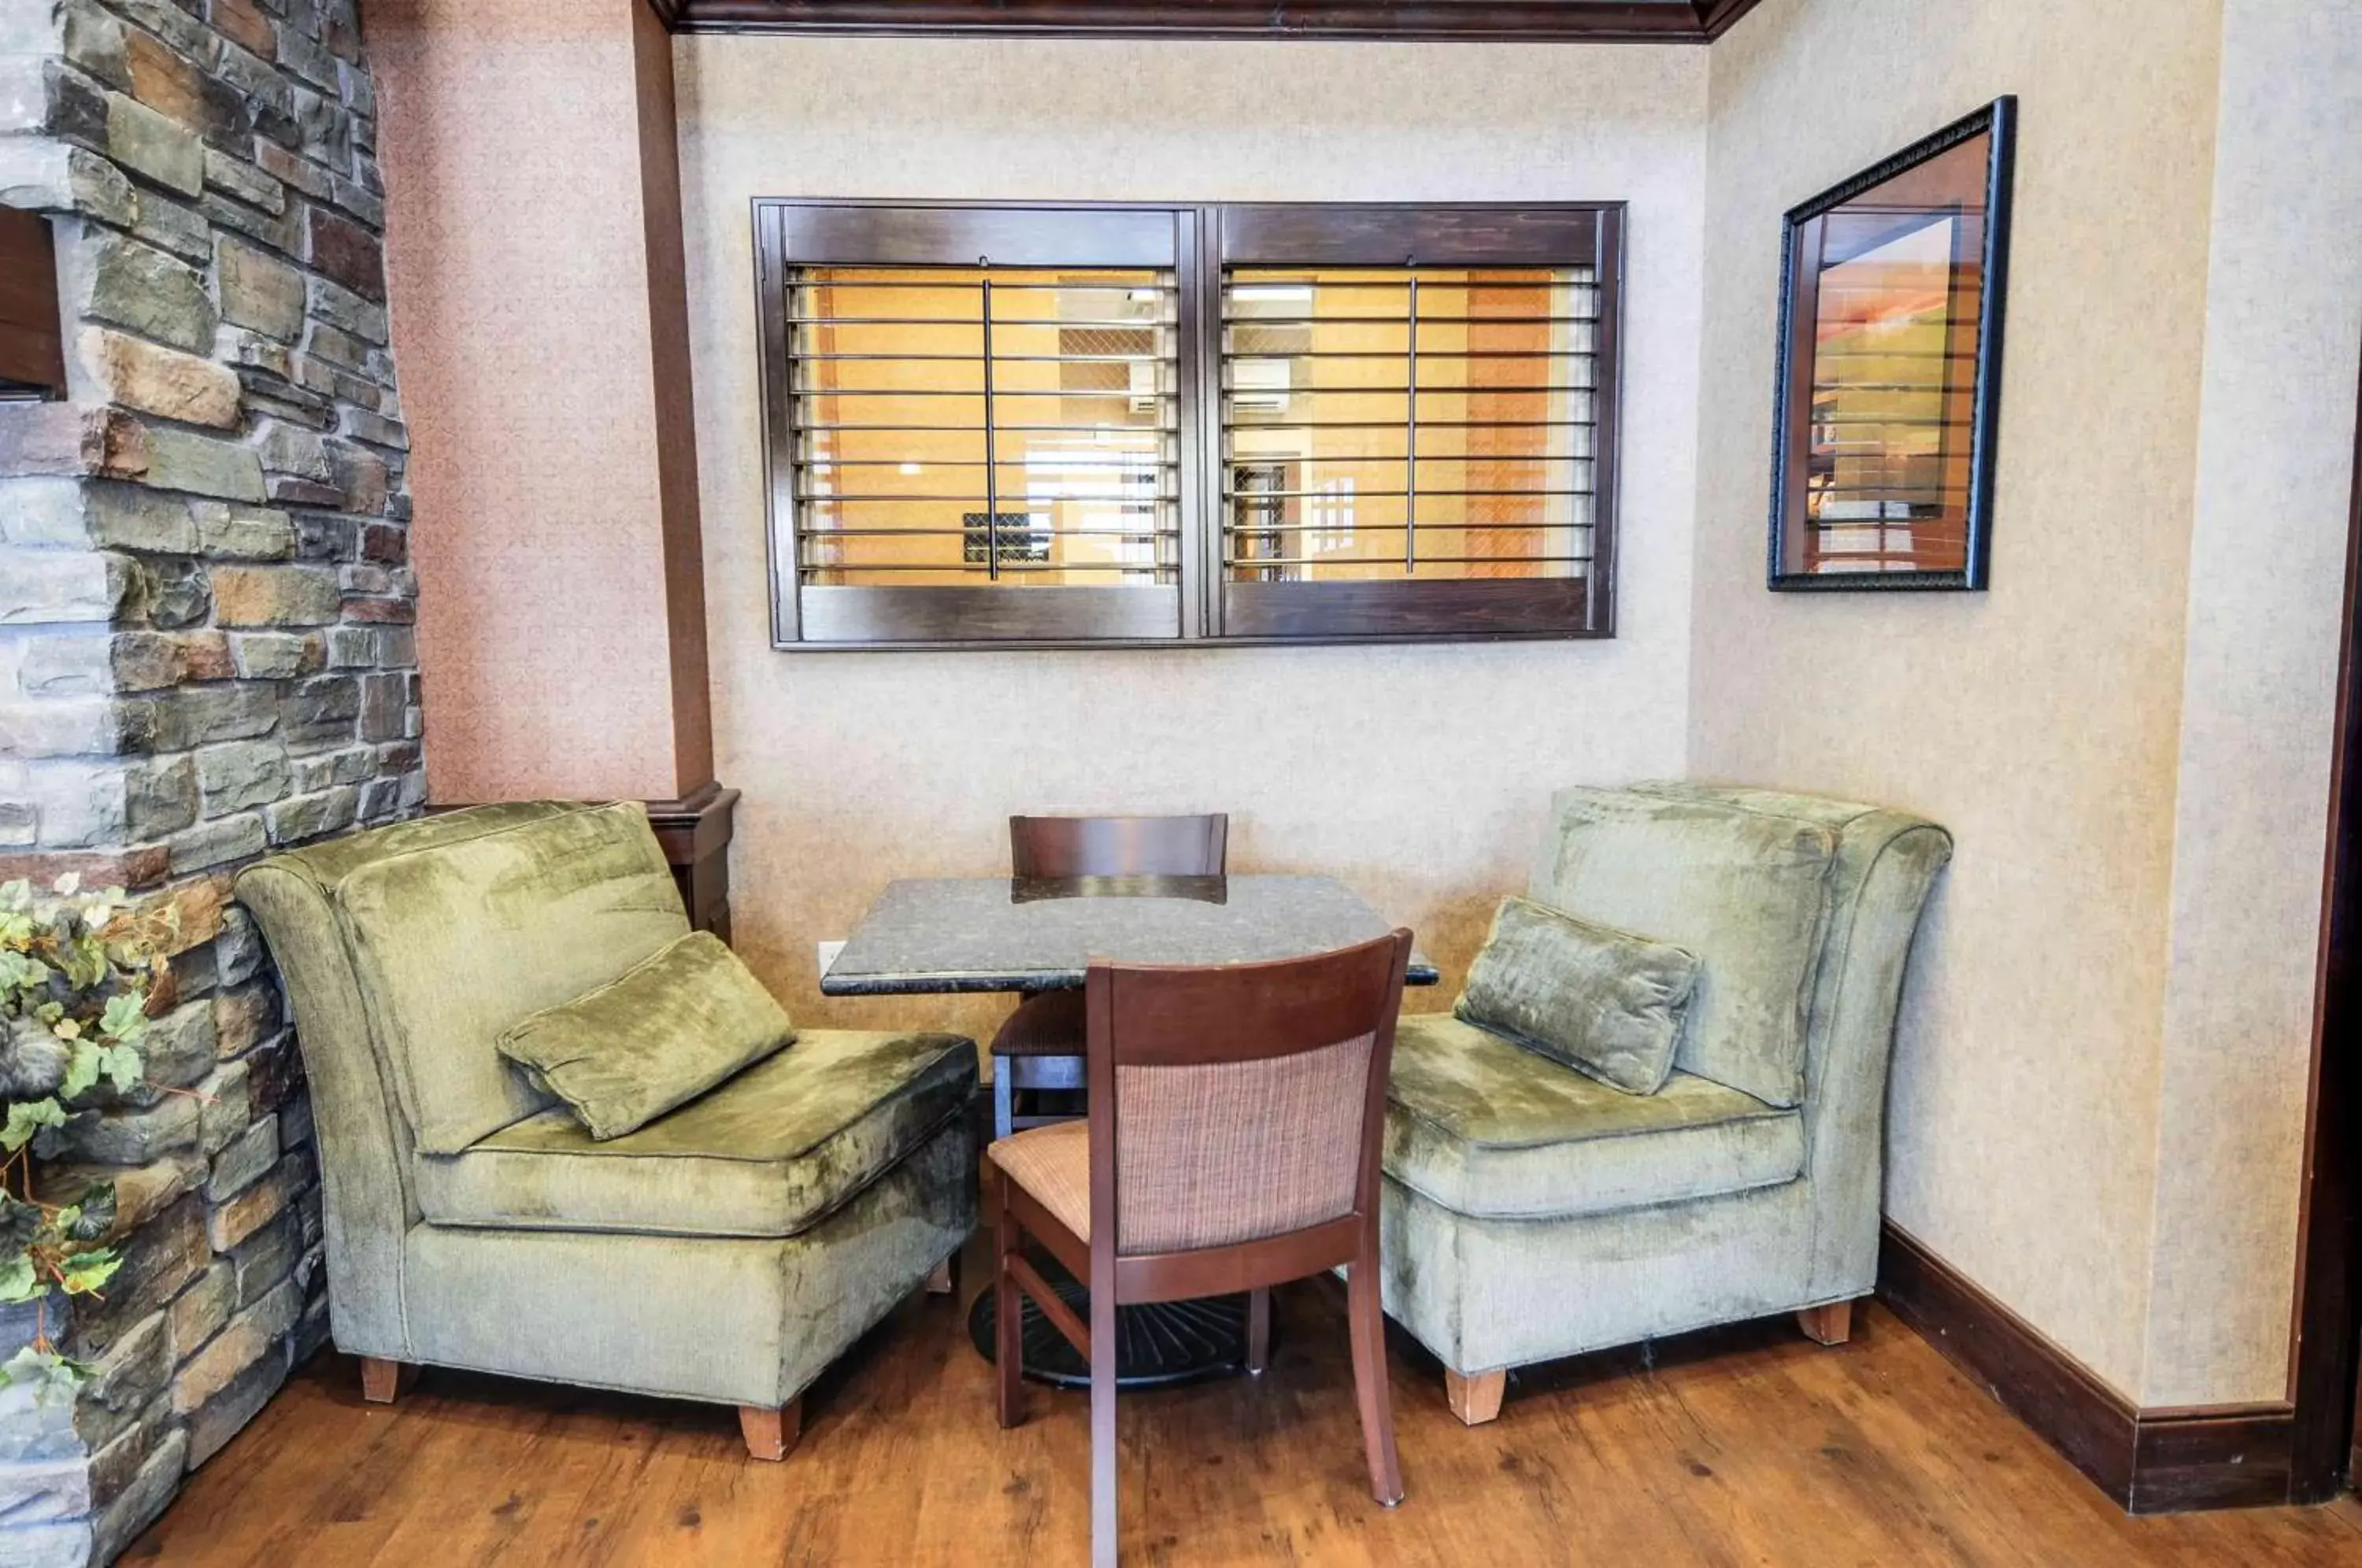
(1890, 368)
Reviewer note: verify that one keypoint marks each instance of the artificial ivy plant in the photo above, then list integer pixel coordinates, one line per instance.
(77, 972)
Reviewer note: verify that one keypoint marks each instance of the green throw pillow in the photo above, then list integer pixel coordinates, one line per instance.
(676, 1024)
(1603, 1001)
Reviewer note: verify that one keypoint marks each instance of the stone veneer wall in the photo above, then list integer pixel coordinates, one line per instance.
(205, 653)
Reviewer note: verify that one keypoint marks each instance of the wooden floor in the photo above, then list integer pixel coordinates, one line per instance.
(1744, 1446)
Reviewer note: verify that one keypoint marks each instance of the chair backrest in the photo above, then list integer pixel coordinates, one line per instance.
(1779, 896)
(456, 932)
(1248, 1099)
(404, 951)
(1119, 846)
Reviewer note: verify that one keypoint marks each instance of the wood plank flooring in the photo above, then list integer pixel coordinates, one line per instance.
(1743, 1446)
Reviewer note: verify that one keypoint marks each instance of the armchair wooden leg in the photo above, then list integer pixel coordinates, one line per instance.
(1829, 1325)
(1476, 1399)
(1258, 1331)
(383, 1381)
(1369, 1332)
(770, 1432)
(944, 1279)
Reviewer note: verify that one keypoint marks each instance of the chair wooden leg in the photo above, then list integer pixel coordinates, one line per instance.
(1258, 1330)
(1476, 1399)
(944, 1279)
(1004, 1096)
(383, 1381)
(1008, 1344)
(1829, 1325)
(1104, 1537)
(1369, 1333)
(770, 1432)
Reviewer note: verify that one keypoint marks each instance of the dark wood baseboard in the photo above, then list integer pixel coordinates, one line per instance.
(2151, 1461)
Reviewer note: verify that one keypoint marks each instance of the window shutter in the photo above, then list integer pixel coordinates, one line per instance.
(1416, 412)
(981, 425)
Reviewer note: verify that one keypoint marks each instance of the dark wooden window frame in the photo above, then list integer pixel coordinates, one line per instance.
(1438, 609)
(1792, 389)
(1209, 238)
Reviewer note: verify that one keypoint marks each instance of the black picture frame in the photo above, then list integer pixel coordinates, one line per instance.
(1795, 380)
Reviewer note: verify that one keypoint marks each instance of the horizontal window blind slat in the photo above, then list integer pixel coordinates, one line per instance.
(1429, 444)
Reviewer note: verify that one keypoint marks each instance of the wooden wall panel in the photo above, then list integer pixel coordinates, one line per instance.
(32, 344)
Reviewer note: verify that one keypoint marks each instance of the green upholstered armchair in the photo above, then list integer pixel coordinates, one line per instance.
(1531, 1212)
(725, 1252)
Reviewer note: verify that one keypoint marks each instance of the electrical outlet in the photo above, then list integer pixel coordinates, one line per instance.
(827, 952)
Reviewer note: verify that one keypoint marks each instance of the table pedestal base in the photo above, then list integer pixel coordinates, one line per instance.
(1157, 1344)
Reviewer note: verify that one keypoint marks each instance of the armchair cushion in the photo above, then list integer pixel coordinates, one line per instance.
(657, 1036)
(460, 937)
(1487, 1128)
(1603, 1001)
(769, 1154)
(1744, 886)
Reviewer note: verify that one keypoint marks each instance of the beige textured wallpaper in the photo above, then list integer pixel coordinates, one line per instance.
(520, 315)
(2274, 472)
(2040, 722)
(1418, 775)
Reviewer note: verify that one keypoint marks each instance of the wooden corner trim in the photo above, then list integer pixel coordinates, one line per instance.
(697, 825)
(2156, 1460)
(1716, 17)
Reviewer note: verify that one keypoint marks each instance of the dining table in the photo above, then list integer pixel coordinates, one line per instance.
(954, 934)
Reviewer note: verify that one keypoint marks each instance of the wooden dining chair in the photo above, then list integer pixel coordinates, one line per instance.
(1232, 1143)
(1041, 1044)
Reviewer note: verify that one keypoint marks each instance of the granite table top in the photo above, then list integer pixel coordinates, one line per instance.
(1004, 934)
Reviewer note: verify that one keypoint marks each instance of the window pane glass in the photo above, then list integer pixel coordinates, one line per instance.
(1417, 424)
(959, 426)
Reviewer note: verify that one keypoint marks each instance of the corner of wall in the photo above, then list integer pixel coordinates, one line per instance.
(2273, 466)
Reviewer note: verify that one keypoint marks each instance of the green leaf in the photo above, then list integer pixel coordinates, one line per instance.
(27, 1117)
(20, 1223)
(85, 964)
(18, 1282)
(91, 1217)
(67, 886)
(121, 1066)
(82, 1069)
(17, 893)
(85, 1272)
(50, 1375)
(123, 1019)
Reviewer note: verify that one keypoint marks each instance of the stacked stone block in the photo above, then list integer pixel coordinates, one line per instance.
(206, 654)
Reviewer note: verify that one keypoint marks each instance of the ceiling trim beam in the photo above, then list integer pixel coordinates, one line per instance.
(1522, 21)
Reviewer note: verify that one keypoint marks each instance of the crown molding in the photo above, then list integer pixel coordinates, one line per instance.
(1521, 21)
